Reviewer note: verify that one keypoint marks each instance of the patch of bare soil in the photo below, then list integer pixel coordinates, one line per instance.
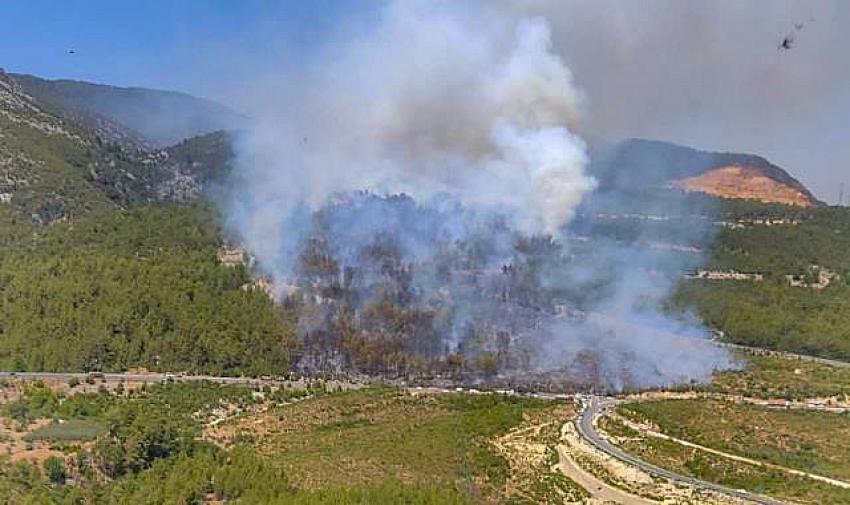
(743, 182)
(531, 452)
(228, 422)
(14, 445)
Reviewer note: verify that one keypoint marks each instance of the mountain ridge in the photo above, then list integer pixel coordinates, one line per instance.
(141, 117)
(59, 162)
(92, 151)
(641, 163)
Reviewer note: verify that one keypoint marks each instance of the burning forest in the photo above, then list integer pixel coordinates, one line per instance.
(422, 202)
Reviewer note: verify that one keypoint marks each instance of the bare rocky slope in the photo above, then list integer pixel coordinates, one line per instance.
(60, 160)
(647, 164)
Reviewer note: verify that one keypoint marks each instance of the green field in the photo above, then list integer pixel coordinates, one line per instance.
(75, 430)
(775, 377)
(809, 441)
(375, 445)
(371, 436)
(706, 466)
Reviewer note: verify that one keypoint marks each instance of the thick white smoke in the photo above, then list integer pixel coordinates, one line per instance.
(434, 100)
(469, 111)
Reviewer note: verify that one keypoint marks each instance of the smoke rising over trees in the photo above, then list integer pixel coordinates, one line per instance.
(457, 122)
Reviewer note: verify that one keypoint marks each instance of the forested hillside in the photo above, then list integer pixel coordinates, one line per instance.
(55, 168)
(99, 271)
(809, 311)
(50, 170)
(139, 288)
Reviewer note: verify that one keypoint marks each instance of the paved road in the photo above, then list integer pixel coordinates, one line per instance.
(64, 376)
(784, 354)
(597, 405)
(157, 377)
(126, 377)
(151, 378)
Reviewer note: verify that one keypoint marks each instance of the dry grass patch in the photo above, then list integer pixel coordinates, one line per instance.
(809, 441)
(774, 377)
(368, 436)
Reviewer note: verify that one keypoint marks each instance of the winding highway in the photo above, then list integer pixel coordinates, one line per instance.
(596, 406)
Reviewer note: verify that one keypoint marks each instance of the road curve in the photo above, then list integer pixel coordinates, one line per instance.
(596, 406)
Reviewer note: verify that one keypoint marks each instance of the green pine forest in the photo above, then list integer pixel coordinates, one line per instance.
(133, 288)
(119, 289)
(772, 313)
(109, 262)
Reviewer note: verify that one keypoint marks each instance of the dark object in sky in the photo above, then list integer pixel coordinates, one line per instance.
(71, 51)
(788, 42)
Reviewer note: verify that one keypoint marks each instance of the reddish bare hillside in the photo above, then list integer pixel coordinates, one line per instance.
(637, 165)
(736, 181)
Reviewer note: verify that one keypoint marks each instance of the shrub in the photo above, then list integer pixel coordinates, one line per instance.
(54, 468)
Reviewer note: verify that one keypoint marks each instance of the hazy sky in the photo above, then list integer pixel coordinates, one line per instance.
(706, 74)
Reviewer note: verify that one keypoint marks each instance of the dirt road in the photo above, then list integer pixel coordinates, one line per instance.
(599, 490)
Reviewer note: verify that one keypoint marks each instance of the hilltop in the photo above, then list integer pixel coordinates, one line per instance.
(62, 159)
(104, 194)
(52, 169)
(641, 164)
(74, 146)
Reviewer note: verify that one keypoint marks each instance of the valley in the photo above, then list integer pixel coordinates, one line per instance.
(338, 444)
(148, 355)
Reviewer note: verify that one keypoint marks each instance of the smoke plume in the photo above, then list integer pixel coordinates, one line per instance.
(429, 163)
(709, 75)
(429, 103)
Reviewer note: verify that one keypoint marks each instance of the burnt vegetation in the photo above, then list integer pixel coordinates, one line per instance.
(394, 301)
(99, 271)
